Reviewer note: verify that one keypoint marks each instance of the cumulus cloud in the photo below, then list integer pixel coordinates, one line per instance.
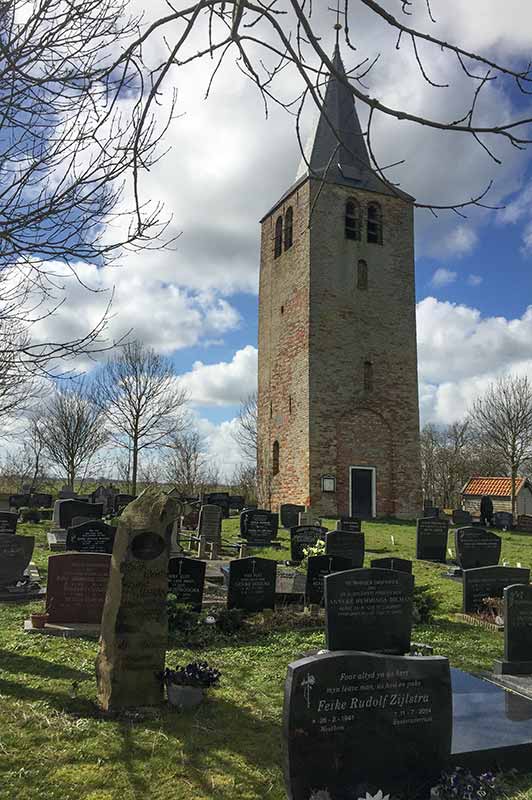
(443, 277)
(220, 445)
(224, 383)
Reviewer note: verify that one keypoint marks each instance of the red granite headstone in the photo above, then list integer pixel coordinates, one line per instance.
(77, 583)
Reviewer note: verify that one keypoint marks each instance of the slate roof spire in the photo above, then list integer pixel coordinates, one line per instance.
(337, 150)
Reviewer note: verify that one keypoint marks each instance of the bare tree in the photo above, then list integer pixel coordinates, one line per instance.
(502, 420)
(72, 430)
(27, 464)
(186, 463)
(140, 396)
(244, 481)
(245, 434)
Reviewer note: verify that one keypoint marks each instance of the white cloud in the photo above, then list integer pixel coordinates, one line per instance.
(474, 280)
(224, 383)
(443, 277)
(220, 445)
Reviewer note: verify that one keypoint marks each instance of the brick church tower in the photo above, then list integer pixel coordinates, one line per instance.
(338, 412)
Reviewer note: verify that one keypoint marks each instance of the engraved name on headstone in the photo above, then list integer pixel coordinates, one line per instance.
(15, 556)
(8, 522)
(251, 583)
(261, 527)
(318, 567)
(186, 579)
(93, 536)
(76, 587)
(517, 631)
(347, 544)
(486, 582)
(353, 524)
(303, 536)
(431, 539)
(476, 547)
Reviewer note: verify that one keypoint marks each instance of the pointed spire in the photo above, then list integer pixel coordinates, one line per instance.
(338, 150)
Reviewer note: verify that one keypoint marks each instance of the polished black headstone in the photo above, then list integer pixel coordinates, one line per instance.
(66, 510)
(261, 527)
(369, 609)
(93, 536)
(476, 547)
(290, 514)
(15, 556)
(186, 579)
(399, 564)
(517, 632)
(303, 536)
(251, 583)
(346, 544)
(318, 567)
(8, 522)
(461, 517)
(353, 524)
(431, 539)
(488, 582)
(503, 520)
(355, 720)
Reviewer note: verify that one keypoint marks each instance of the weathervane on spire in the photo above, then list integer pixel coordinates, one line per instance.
(338, 25)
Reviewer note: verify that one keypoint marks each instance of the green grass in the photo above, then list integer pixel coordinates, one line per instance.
(53, 744)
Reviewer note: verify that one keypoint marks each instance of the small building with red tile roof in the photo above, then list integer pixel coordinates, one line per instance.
(500, 491)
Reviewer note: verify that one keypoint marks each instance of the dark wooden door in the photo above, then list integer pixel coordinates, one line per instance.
(361, 492)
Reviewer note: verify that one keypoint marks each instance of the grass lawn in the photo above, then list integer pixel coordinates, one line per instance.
(53, 744)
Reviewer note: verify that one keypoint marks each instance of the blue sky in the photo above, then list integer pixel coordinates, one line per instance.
(228, 165)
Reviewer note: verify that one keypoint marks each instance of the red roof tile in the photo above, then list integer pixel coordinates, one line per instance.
(494, 487)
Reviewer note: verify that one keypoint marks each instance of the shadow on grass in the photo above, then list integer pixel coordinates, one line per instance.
(32, 665)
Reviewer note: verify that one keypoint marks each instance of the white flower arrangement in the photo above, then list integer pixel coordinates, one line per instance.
(378, 796)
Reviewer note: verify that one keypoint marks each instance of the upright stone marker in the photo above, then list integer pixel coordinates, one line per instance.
(290, 514)
(488, 582)
(431, 539)
(66, 510)
(93, 536)
(252, 583)
(461, 517)
(346, 544)
(210, 526)
(309, 518)
(517, 632)
(503, 520)
(8, 522)
(524, 523)
(318, 568)
(353, 524)
(76, 587)
(304, 536)
(359, 721)
(186, 579)
(134, 633)
(399, 564)
(261, 528)
(369, 609)
(476, 547)
(15, 556)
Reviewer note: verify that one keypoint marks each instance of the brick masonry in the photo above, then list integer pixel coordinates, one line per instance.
(316, 330)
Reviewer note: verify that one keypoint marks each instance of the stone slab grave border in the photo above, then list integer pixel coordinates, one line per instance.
(65, 631)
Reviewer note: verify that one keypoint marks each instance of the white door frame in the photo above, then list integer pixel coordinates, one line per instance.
(373, 470)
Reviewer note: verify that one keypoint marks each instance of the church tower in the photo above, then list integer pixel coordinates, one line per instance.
(338, 411)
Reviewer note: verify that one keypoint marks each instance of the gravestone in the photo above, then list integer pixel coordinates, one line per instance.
(431, 512)
(353, 524)
(261, 527)
(461, 517)
(76, 587)
(220, 499)
(503, 520)
(359, 721)
(524, 523)
(431, 539)
(66, 510)
(346, 544)
(303, 536)
(488, 582)
(318, 567)
(237, 502)
(251, 583)
(369, 609)
(106, 496)
(186, 579)
(122, 501)
(8, 522)
(40, 500)
(210, 523)
(19, 500)
(399, 564)
(15, 556)
(93, 536)
(309, 518)
(290, 514)
(517, 632)
(477, 547)
(244, 514)
(134, 630)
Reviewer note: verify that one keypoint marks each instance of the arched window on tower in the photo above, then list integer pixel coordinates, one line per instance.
(288, 228)
(278, 237)
(362, 275)
(352, 219)
(374, 224)
(275, 458)
(368, 376)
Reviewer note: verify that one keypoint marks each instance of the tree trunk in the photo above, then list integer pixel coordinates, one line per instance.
(514, 478)
(134, 466)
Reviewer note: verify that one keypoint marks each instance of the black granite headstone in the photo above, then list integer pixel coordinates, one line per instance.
(488, 582)
(431, 539)
(41, 500)
(318, 567)
(353, 524)
(461, 517)
(524, 523)
(93, 536)
(503, 520)
(15, 556)
(251, 583)
(369, 609)
(244, 519)
(399, 564)
(261, 527)
(8, 522)
(66, 510)
(290, 514)
(517, 631)
(358, 721)
(431, 512)
(186, 579)
(346, 544)
(476, 547)
(303, 536)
